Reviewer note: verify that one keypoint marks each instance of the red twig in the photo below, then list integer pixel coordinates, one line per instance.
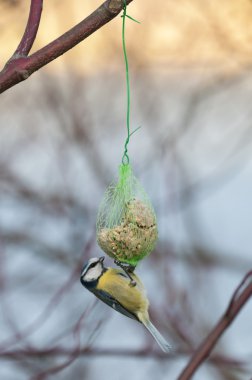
(31, 29)
(20, 68)
(238, 300)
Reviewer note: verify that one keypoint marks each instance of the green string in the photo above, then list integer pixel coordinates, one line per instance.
(125, 157)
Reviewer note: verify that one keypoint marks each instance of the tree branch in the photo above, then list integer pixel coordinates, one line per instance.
(19, 68)
(31, 29)
(238, 300)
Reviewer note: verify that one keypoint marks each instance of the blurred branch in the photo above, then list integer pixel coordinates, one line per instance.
(52, 303)
(14, 185)
(31, 29)
(19, 68)
(44, 315)
(238, 300)
(144, 353)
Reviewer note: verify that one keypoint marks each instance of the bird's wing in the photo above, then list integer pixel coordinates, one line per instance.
(112, 302)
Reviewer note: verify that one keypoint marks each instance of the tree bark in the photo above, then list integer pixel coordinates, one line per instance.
(20, 66)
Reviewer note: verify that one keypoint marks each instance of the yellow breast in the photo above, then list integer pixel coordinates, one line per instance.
(132, 298)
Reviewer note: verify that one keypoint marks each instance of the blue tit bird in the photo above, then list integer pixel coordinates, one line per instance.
(114, 287)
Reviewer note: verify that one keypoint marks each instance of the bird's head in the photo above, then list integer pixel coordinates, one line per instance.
(92, 270)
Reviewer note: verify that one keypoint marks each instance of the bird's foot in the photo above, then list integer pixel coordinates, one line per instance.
(128, 269)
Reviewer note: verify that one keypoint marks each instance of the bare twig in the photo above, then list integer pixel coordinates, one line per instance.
(239, 298)
(144, 353)
(31, 29)
(20, 68)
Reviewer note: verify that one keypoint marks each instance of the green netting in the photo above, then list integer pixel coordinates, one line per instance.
(126, 222)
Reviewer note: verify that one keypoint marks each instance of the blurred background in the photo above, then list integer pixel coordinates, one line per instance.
(61, 140)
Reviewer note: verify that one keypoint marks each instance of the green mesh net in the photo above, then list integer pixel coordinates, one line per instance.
(126, 222)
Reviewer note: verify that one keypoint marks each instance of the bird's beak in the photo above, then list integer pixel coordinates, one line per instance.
(101, 259)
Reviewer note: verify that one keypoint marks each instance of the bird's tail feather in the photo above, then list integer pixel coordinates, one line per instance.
(165, 346)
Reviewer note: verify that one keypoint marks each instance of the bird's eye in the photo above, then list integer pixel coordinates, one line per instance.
(92, 265)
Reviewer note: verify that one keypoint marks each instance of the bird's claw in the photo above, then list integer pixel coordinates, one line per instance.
(128, 269)
(132, 283)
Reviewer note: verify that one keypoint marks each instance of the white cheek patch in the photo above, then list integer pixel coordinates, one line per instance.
(93, 273)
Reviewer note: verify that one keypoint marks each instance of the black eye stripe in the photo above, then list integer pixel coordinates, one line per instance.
(92, 265)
